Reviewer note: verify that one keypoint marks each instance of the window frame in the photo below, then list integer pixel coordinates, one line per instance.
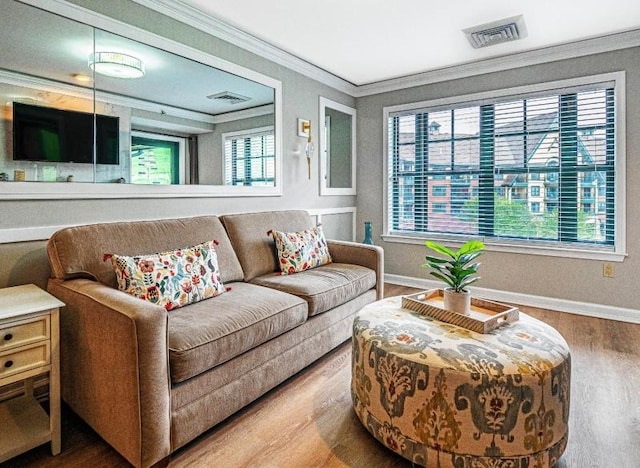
(241, 135)
(441, 188)
(616, 252)
(178, 177)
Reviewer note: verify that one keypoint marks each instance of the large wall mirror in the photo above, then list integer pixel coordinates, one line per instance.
(337, 148)
(127, 113)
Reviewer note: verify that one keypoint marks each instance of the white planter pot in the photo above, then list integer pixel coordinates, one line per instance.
(459, 302)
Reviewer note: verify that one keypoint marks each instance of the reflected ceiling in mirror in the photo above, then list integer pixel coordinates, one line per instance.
(177, 82)
(180, 95)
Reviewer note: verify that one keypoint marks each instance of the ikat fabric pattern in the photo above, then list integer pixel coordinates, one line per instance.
(171, 279)
(302, 250)
(443, 396)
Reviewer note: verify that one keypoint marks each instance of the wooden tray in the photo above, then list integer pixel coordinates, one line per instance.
(485, 315)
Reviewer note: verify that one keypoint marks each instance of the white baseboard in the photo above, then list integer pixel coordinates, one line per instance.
(561, 305)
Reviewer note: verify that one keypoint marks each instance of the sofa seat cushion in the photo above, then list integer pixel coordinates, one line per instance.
(324, 287)
(211, 332)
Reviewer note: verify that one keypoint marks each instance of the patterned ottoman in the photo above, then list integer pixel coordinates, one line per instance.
(443, 396)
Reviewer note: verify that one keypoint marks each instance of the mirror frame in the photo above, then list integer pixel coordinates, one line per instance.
(93, 190)
(325, 104)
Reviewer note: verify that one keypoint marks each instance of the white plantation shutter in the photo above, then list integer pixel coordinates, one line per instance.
(249, 157)
(528, 168)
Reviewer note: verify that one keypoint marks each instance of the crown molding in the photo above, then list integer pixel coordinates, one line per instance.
(43, 84)
(213, 26)
(218, 28)
(507, 62)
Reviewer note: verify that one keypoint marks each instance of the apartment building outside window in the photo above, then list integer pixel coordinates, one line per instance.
(439, 191)
(532, 168)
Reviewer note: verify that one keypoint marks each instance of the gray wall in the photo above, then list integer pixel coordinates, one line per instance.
(26, 261)
(563, 278)
(578, 280)
(340, 144)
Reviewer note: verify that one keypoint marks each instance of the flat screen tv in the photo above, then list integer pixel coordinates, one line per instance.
(55, 135)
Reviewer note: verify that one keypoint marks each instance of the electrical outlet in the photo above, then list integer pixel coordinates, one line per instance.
(608, 270)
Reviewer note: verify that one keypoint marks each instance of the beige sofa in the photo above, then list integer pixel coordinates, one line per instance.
(149, 381)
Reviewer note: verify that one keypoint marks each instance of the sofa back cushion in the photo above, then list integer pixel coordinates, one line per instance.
(78, 252)
(250, 237)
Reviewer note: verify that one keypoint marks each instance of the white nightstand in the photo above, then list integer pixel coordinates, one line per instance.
(29, 346)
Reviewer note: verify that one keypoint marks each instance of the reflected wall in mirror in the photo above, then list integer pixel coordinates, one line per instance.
(337, 148)
(69, 111)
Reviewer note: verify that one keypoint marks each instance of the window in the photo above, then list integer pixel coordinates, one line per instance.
(439, 191)
(249, 157)
(156, 159)
(439, 208)
(534, 166)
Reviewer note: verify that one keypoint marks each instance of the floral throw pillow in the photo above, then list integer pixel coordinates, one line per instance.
(171, 279)
(302, 250)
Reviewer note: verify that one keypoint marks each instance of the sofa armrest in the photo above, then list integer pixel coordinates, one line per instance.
(370, 256)
(114, 367)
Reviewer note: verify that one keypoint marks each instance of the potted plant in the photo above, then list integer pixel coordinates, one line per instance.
(457, 271)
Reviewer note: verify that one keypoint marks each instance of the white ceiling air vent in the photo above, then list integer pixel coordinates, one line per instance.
(229, 97)
(497, 32)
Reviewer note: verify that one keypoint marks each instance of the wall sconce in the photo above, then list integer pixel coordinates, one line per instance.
(304, 130)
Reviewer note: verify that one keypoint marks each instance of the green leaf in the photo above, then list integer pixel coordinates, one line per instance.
(439, 248)
(466, 283)
(466, 258)
(443, 278)
(456, 270)
(435, 259)
(471, 246)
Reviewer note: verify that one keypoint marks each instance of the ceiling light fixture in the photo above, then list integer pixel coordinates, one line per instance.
(116, 65)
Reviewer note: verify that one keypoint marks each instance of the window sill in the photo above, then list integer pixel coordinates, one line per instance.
(505, 246)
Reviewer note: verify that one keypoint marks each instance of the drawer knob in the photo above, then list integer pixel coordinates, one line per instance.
(8, 336)
(8, 364)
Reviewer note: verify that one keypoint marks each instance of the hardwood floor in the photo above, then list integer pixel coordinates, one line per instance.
(308, 421)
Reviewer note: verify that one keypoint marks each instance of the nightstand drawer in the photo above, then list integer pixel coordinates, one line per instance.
(23, 333)
(24, 359)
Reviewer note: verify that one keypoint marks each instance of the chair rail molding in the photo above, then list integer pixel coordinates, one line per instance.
(40, 233)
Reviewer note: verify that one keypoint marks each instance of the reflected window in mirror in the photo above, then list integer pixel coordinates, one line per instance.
(249, 157)
(337, 148)
(158, 159)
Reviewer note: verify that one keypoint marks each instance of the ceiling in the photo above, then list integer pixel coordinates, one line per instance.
(367, 41)
(57, 49)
